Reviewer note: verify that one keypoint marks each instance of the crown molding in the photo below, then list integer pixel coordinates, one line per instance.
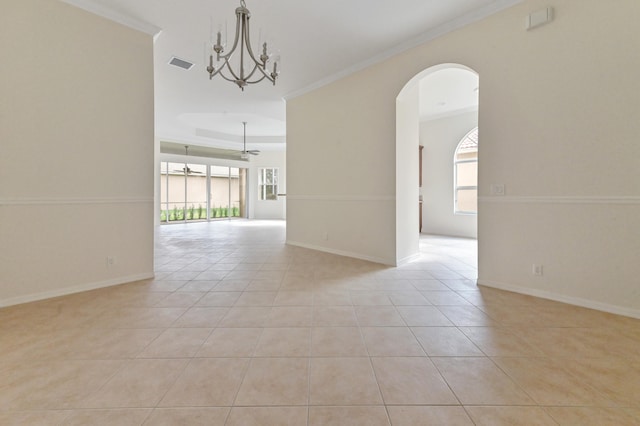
(425, 37)
(128, 21)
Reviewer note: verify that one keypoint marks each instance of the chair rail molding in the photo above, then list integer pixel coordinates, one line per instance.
(31, 201)
(559, 199)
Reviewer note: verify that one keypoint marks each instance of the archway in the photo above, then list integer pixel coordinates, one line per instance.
(446, 97)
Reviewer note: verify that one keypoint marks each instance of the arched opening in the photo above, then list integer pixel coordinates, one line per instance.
(435, 110)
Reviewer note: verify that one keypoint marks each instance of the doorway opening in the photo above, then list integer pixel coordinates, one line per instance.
(435, 111)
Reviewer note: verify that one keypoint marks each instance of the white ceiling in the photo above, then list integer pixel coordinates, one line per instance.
(448, 91)
(318, 42)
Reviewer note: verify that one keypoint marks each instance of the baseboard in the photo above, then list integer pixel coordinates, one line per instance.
(576, 301)
(341, 253)
(71, 290)
(408, 259)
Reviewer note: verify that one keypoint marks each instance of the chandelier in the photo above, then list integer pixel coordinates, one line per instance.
(250, 73)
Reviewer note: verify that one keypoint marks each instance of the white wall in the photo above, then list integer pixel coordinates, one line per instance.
(268, 209)
(407, 178)
(341, 168)
(440, 139)
(76, 143)
(558, 127)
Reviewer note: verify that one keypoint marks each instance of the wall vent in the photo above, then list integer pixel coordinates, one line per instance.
(181, 63)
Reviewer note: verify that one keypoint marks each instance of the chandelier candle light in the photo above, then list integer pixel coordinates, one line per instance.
(258, 66)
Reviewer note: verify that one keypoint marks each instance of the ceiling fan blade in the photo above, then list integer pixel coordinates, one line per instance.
(187, 171)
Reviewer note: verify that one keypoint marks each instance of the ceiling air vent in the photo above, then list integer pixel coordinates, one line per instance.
(181, 63)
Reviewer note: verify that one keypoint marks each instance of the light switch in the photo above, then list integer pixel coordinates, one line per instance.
(539, 18)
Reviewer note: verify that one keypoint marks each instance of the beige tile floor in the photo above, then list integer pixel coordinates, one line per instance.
(239, 329)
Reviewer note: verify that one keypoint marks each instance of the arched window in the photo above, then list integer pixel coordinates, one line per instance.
(465, 174)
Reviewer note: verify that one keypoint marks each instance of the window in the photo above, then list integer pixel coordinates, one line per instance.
(465, 174)
(268, 184)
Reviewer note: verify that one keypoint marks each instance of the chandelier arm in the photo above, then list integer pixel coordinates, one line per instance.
(257, 81)
(228, 79)
(227, 56)
(258, 65)
(244, 40)
(246, 79)
(263, 72)
(219, 71)
(249, 49)
(233, 74)
(262, 66)
(266, 75)
(215, 72)
(253, 71)
(235, 77)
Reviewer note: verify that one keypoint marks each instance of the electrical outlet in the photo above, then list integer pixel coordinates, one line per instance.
(111, 261)
(325, 235)
(537, 270)
(497, 189)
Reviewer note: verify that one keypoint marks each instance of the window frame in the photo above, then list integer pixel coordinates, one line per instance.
(457, 188)
(263, 184)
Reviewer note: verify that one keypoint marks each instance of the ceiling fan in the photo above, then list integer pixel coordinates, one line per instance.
(186, 170)
(244, 154)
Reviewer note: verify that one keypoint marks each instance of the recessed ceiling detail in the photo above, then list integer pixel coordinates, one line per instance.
(199, 151)
(231, 124)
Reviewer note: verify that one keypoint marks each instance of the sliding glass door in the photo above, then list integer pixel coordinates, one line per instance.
(196, 188)
(195, 192)
(227, 200)
(172, 187)
(220, 191)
